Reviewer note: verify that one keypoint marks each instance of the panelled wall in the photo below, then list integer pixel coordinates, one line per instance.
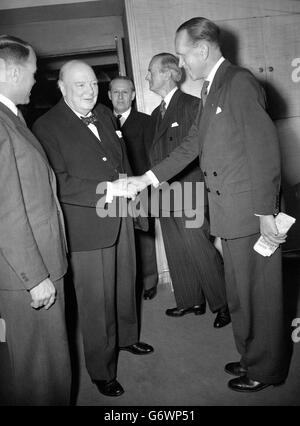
(263, 35)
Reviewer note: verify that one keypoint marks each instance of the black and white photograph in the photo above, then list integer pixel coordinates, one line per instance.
(149, 206)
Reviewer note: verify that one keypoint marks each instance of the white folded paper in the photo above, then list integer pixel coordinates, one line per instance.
(2, 331)
(283, 223)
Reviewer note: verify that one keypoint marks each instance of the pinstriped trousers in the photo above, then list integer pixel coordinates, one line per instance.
(195, 266)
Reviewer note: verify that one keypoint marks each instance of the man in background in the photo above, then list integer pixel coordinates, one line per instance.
(85, 151)
(135, 128)
(195, 266)
(32, 247)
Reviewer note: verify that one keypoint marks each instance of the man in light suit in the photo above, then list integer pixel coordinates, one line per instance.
(32, 246)
(195, 266)
(85, 150)
(239, 155)
(135, 128)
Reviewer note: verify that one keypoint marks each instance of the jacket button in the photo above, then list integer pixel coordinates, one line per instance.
(205, 174)
(104, 158)
(208, 190)
(215, 173)
(218, 193)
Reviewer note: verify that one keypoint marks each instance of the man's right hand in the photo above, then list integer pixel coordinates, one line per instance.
(137, 184)
(43, 294)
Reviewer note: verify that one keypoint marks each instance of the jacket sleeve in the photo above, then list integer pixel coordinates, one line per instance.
(17, 243)
(260, 141)
(181, 156)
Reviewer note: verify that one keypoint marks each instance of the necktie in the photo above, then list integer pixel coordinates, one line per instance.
(91, 119)
(119, 124)
(204, 92)
(162, 109)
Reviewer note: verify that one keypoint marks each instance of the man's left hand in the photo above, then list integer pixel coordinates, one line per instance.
(269, 231)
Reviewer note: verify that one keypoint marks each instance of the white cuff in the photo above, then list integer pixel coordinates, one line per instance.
(109, 193)
(154, 181)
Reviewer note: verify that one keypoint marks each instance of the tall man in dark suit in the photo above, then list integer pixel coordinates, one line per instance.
(195, 266)
(135, 127)
(32, 246)
(239, 155)
(85, 151)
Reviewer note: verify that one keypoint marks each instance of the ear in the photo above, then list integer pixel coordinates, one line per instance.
(204, 50)
(12, 73)
(62, 87)
(133, 95)
(109, 94)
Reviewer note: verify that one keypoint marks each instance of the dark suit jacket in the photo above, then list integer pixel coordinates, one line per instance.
(239, 152)
(32, 241)
(168, 134)
(81, 162)
(136, 134)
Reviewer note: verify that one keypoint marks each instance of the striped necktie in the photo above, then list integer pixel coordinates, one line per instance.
(204, 91)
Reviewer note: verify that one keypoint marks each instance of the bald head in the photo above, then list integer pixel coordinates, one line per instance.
(79, 86)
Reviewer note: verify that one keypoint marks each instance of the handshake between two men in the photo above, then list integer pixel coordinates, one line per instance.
(128, 187)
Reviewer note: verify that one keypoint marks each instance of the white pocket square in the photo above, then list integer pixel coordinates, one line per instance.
(175, 124)
(119, 133)
(218, 110)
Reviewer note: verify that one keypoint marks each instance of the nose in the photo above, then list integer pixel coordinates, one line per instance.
(120, 95)
(181, 62)
(147, 77)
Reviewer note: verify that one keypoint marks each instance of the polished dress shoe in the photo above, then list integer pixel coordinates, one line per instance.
(109, 388)
(150, 293)
(179, 312)
(235, 369)
(223, 318)
(245, 384)
(138, 348)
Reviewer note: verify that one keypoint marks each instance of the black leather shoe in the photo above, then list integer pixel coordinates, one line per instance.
(235, 369)
(109, 388)
(138, 348)
(223, 318)
(245, 384)
(179, 312)
(150, 293)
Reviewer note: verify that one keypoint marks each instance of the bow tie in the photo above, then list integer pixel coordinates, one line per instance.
(91, 119)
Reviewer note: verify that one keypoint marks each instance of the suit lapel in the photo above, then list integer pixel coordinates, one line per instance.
(163, 125)
(109, 139)
(209, 111)
(23, 129)
(166, 122)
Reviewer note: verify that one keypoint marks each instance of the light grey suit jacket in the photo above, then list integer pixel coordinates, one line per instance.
(32, 238)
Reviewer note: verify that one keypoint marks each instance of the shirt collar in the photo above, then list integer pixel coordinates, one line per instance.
(124, 115)
(213, 72)
(10, 105)
(169, 96)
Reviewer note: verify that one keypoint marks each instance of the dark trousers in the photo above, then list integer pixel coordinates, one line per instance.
(147, 274)
(254, 292)
(38, 350)
(194, 264)
(104, 283)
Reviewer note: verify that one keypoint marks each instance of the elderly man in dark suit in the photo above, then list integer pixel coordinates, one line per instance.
(135, 128)
(85, 152)
(195, 266)
(239, 155)
(32, 247)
